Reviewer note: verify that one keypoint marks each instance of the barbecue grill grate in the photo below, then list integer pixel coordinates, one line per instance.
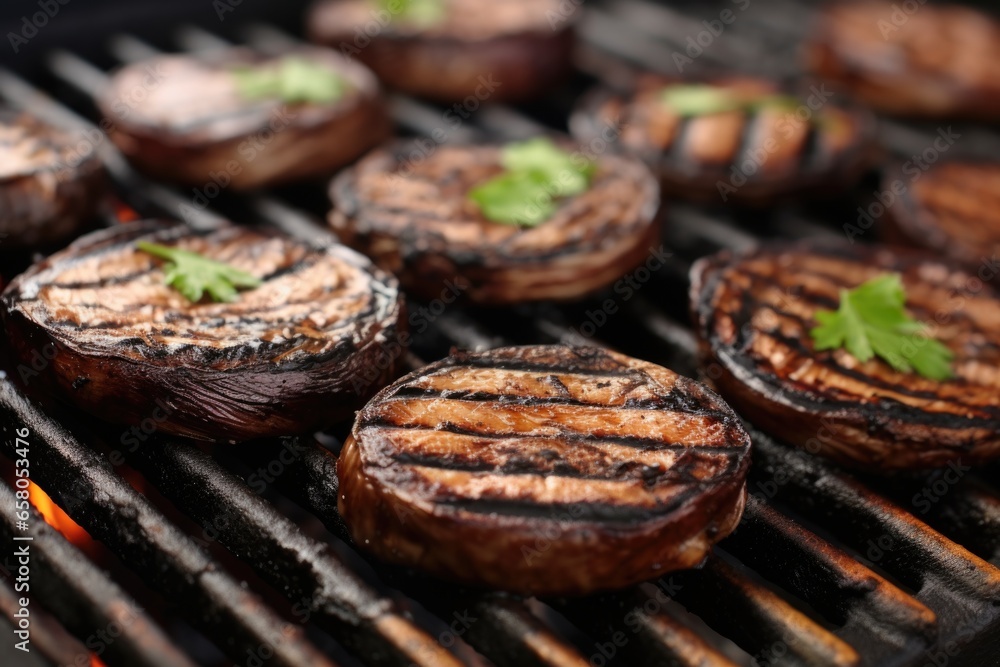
(824, 569)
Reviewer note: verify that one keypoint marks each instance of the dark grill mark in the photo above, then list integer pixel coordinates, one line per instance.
(799, 349)
(523, 466)
(793, 278)
(583, 368)
(569, 512)
(594, 464)
(674, 401)
(954, 208)
(481, 458)
(747, 139)
(103, 282)
(645, 444)
(922, 417)
(812, 155)
(345, 309)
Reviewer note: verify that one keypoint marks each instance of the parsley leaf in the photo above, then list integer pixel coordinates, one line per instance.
(872, 321)
(702, 99)
(293, 79)
(192, 274)
(418, 12)
(537, 172)
(516, 198)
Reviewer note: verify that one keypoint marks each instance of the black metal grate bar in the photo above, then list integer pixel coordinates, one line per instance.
(63, 579)
(18, 94)
(961, 588)
(505, 631)
(639, 627)
(306, 571)
(869, 610)
(758, 619)
(88, 490)
(51, 643)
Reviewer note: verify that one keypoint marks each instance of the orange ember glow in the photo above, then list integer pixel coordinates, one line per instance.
(55, 517)
(125, 213)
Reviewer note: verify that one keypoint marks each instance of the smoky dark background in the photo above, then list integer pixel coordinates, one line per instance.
(79, 25)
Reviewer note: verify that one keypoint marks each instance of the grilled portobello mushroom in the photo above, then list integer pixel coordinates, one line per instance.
(937, 61)
(754, 312)
(472, 52)
(294, 354)
(741, 141)
(197, 120)
(544, 470)
(951, 209)
(51, 183)
(414, 218)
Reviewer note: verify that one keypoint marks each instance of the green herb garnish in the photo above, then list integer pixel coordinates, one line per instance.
(418, 12)
(192, 274)
(537, 172)
(872, 321)
(292, 79)
(700, 99)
